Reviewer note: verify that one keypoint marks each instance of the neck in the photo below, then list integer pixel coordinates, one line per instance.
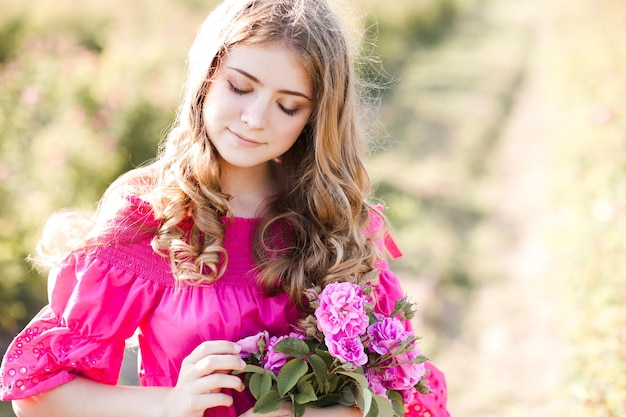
(249, 188)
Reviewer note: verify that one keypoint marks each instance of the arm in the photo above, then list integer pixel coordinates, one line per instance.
(203, 374)
(70, 400)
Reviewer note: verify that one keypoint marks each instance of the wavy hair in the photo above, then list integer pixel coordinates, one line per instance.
(313, 231)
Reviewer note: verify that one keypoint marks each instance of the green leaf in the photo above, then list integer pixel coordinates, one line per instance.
(422, 386)
(359, 378)
(327, 400)
(290, 373)
(328, 359)
(372, 318)
(312, 344)
(260, 384)
(270, 401)
(364, 399)
(305, 394)
(292, 346)
(319, 368)
(347, 396)
(252, 368)
(397, 402)
(385, 408)
(420, 359)
(298, 410)
(331, 384)
(373, 411)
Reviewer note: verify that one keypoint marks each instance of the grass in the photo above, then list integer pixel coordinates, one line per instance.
(590, 192)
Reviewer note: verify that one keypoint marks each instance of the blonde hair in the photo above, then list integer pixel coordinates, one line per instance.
(312, 233)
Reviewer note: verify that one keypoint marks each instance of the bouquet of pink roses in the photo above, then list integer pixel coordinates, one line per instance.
(345, 354)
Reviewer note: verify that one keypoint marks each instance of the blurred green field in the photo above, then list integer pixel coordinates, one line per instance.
(88, 89)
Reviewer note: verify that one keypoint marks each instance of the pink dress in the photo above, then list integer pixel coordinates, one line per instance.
(98, 299)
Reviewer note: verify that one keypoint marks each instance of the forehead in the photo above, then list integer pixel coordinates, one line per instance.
(272, 64)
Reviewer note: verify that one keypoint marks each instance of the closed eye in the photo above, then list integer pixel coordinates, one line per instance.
(288, 112)
(236, 90)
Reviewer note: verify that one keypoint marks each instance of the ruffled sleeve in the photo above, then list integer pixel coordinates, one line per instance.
(388, 292)
(94, 307)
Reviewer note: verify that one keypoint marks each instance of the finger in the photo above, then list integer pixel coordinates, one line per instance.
(216, 363)
(216, 382)
(211, 400)
(212, 347)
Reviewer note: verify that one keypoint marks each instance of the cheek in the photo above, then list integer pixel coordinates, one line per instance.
(294, 128)
(290, 134)
(216, 107)
(208, 110)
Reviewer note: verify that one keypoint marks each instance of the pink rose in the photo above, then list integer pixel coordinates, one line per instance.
(386, 334)
(347, 349)
(274, 360)
(408, 395)
(375, 381)
(404, 374)
(251, 345)
(341, 309)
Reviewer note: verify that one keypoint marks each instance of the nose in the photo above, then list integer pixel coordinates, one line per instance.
(255, 113)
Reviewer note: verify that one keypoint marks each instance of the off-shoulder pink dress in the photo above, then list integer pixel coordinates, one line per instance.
(97, 299)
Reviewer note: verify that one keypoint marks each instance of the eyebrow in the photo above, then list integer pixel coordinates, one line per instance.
(256, 80)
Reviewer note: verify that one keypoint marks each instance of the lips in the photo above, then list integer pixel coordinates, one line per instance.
(245, 140)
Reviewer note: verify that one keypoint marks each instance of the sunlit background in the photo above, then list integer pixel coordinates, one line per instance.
(500, 153)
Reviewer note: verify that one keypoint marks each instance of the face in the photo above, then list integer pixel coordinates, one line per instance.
(257, 105)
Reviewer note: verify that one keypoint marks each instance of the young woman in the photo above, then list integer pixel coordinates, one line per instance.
(258, 193)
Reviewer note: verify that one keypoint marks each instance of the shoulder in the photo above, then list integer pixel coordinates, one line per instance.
(377, 229)
(376, 221)
(125, 207)
(136, 212)
(126, 219)
(127, 245)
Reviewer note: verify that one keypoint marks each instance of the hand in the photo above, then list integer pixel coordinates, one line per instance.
(203, 374)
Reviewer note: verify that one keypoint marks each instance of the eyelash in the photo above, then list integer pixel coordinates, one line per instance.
(288, 112)
(239, 92)
(236, 90)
